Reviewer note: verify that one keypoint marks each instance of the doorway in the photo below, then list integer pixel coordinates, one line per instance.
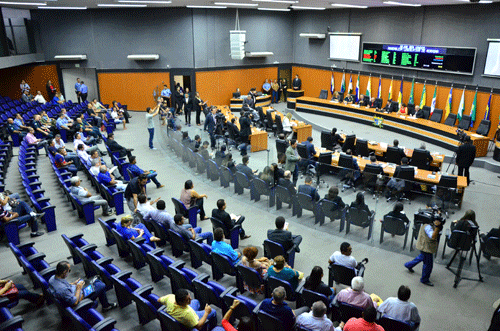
(87, 75)
(184, 81)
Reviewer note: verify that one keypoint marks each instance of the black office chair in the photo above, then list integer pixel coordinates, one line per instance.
(378, 103)
(427, 112)
(370, 175)
(279, 124)
(411, 108)
(323, 166)
(437, 115)
(349, 143)
(327, 140)
(366, 100)
(346, 165)
(362, 147)
(407, 174)
(343, 275)
(341, 97)
(394, 226)
(394, 107)
(465, 122)
(323, 94)
(281, 146)
(302, 151)
(391, 324)
(270, 122)
(393, 155)
(484, 127)
(450, 120)
(447, 190)
(420, 159)
(359, 217)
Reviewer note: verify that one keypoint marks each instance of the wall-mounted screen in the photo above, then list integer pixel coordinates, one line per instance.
(492, 66)
(345, 46)
(453, 60)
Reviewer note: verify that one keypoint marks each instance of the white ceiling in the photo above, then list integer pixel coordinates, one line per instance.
(182, 3)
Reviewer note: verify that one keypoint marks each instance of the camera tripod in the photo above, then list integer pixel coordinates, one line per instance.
(466, 241)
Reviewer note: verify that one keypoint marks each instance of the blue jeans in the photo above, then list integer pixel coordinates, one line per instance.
(151, 136)
(427, 258)
(24, 210)
(205, 235)
(27, 295)
(100, 292)
(152, 176)
(274, 97)
(212, 317)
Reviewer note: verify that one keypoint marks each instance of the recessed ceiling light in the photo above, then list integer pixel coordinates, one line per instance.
(146, 1)
(395, 3)
(348, 6)
(23, 3)
(274, 9)
(480, 1)
(307, 8)
(73, 8)
(209, 7)
(278, 1)
(236, 4)
(118, 5)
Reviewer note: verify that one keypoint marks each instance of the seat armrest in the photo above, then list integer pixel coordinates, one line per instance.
(12, 324)
(157, 251)
(89, 202)
(89, 248)
(105, 324)
(38, 191)
(300, 287)
(4, 301)
(139, 240)
(36, 256)
(257, 308)
(122, 275)
(229, 291)
(144, 290)
(203, 277)
(77, 236)
(25, 245)
(178, 264)
(42, 200)
(48, 272)
(83, 306)
(104, 260)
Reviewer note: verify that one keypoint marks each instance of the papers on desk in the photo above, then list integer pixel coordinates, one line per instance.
(390, 165)
(372, 142)
(383, 145)
(475, 135)
(430, 176)
(334, 101)
(411, 118)
(402, 116)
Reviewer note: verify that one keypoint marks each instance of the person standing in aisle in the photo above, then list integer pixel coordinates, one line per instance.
(151, 126)
(84, 91)
(78, 86)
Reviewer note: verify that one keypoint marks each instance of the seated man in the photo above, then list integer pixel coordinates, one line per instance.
(395, 186)
(33, 141)
(84, 156)
(39, 98)
(337, 140)
(40, 128)
(144, 206)
(400, 308)
(60, 161)
(88, 128)
(84, 195)
(14, 128)
(70, 294)
(161, 216)
(494, 232)
(118, 118)
(204, 151)
(62, 123)
(344, 258)
(19, 123)
(136, 171)
(284, 237)
(311, 151)
(196, 143)
(186, 311)
(287, 183)
(96, 116)
(277, 307)
(307, 188)
(361, 100)
(79, 139)
(229, 220)
(244, 168)
(401, 151)
(220, 155)
(23, 213)
(366, 323)
(108, 179)
(355, 295)
(316, 319)
(419, 113)
(190, 233)
(95, 167)
(115, 147)
(219, 246)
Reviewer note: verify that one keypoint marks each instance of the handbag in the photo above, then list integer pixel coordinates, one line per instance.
(12, 293)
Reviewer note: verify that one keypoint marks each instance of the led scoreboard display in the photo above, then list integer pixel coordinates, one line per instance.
(454, 60)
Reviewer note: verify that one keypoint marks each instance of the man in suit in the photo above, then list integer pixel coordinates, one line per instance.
(419, 113)
(395, 143)
(231, 126)
(292, 157)
(311, 151)
(229, 220)
(307, 188)
(466, 153)
(115, 147)
(210, 126)
(287, 183)
(188, 106)
(244, 168)
(245, 131)
(282, 236)
(297, 83)
(427, 157)
(248, 103)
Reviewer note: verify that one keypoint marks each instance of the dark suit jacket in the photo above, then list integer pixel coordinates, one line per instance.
(245, 129)
(420, 114)
(495, 232)
(337, 200)
(248, 103)
(115, 147)
(234, 128)
(223, 216)
(288, 184)
(309, 190)
(297, 83)
(245, 169)
(282, 237)
(189, 104)
(310, 149)
(209, 123)
(466, 154)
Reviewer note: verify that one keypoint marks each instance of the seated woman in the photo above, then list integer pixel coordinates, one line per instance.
(23, 293)
(277, 173)
(315, 284)
(229, 163)
(190, 197)
(287, 124)
(333, 196)
(260, 264)
(137, 231)
(267, 176)
(398, 212)
(360, 203)
(403, 109)
(282, 270)
(463, 223)
(336, 96)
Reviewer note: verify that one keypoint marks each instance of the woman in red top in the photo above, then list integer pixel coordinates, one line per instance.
(246, 322)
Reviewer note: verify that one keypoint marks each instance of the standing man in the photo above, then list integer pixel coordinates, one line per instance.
(292, 158)
(210, 126)
(297, 83)
(166, 94)
(427, 244)
(188, 106)
(275, 92)
(245, 131)
(466, 153)
(151, 125)
(78, 86)
(84, 91)
(135, 187)
(266, 87)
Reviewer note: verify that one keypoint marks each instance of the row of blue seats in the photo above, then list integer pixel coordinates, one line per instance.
(120, 162)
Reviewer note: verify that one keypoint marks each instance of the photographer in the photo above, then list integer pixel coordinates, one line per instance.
(427, 244)
(466, 153)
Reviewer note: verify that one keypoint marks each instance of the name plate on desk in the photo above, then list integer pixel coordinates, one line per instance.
(431, 176)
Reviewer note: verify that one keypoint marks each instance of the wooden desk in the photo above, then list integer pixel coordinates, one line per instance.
(291, 96)
(258, 138)
(262, 101)
(436, 133)
(303, 130)
(496, 151)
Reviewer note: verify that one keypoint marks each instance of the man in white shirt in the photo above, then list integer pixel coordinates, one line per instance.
(84, 195)
(118, 119)
(144, 206)
(83, 155)
(400, 308)
(344, 256)
(39, 98)
(317, 320)
(78, 140)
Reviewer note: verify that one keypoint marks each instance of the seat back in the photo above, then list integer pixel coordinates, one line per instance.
(217, 223)
(178, 279)
(378, 103)
(305, 201)
(330, 209)
(242, 179)
(199, 252)
(484, 127)
(250, 276)
(281, 146)
(167, 322)
(273, 282)
(302, 150)
(427, 112)
(391, 324)
(358, 216)
(283, 194)
(392, 155)
(222, 264)
(411, 108)
(419, 159)
(394, 225)
(450, 120)
(177, 242)
(309, 297)
(268, 322)
(261, 186)
(123, 248)
(273, 249)
(437, 115)
(394, 107)
(349, 143)
(362, 147)
(448, 181)
(323, 94)
(492, 246)
(348, 311)
(465, 122)
(346, 162)
(326, 140)
(279, 124)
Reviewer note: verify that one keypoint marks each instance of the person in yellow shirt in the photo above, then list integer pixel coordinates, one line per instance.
(186, 311)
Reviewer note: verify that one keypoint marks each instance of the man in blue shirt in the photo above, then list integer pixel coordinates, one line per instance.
(307, 188)
(278, 308)
(166, 94)
(190, 233)
(219, 246)
(266, 87)
(84, 91)
(70, 294)
(108, 179)
(136, 171)
(78, 86)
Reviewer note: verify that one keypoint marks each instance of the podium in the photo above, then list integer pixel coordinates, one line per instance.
(291, 96)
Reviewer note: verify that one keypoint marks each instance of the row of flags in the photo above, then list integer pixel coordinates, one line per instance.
(423, 99)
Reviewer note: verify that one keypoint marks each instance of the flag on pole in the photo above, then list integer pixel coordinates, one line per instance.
(332, 85)
(390, 91)
(473, 110)
(342, 84)
(461, 106)
(357, 89)
(379, 92)
(448, 103)
(410, 100)
(433, 102)
(423, 98)
(487, 112)
(400, 94)
(369, 87)
(349, 89)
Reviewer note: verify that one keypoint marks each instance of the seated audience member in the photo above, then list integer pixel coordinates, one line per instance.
(287, 183)
(40, 128)
(137, 231)
(277, 307)
(204, 151)
(187, 311)
(22, 212)
(335, 96)
(400, 308)
(220, 155)
(78, 140)
(344, 257)
(62, 123)
(355, 295)
(277, 173)
(397, 212)
(95, 115)
(62, 163)
(160, 215)
(333, 196)
(190, 197)
(395, 185)
(337, 140)
(351, 175)
(219, 246)
(281, 270)
(464, 224)
(494, 232)
(387, 106)
(88, 128)
(190, 233)
(114, 147)
(185, 139)
(95, 167)
(229, 220)
(117, 107)
(316, 319)
(307, 188)
(229, 163)
(360, 203)
(315, 284)
(59, 142)
(135, 187)
(136, 171)
(288, 124)
(108, 179)
(33, 141)
(365, 323)
(311, 151)
(84, 195)
(84, 156)
(282, 236)
(70, 294)
(39, 98)
(260, 265)
(144, 206)
(419, 113)
(267, 176)
(244, 168)
(196, 143)
(23, 293)
(118, 118)
(401, 151)
(246, 323)
(13, 128)
(58, 98)
(26, 97)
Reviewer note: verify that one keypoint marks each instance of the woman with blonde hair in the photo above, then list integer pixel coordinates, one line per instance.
(281, 270)
(138, 231)
(287, 124)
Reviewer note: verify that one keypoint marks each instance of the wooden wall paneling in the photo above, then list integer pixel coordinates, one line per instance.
(35, 75)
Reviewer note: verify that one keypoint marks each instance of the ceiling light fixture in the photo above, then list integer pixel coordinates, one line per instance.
(277, 1)
(307, 8)
(395, 3)
(236, 4)
(146, 1)
(118, 5)
(274, 9)
(23, 3)
(348, 6)
(207, 7)
(73, 8)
